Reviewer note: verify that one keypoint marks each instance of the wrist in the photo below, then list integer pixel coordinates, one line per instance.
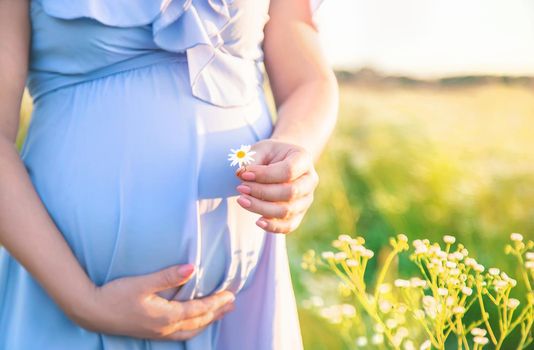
(290, 139)
(83, 308)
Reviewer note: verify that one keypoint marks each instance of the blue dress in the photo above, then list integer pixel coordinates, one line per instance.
(136, 106)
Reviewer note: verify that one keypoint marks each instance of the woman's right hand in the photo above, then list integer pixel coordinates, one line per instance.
(130, 306)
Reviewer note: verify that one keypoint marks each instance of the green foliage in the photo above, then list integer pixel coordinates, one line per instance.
(425, 162)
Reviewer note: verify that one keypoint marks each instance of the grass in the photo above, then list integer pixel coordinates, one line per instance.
(425, 162)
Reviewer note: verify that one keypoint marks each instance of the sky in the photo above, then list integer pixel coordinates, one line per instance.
(430, 38)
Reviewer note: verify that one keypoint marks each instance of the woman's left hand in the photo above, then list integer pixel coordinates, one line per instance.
(279, 185)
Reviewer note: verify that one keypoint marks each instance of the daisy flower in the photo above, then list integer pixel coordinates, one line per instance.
(241, 156)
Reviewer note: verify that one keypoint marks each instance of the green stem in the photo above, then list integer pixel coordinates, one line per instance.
(383, 272)
(485, 316)
(524, 272)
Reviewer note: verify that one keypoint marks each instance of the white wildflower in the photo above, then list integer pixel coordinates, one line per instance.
(449, 239)
(494, 271)
(426, 345)
(402, 237)
(377, 339)
(345, 238)
(467, 291)
(385, 306)
(454, 272)
(456, 256)
(451, 264)
(400, 283)
(512, 303)
(408, 345)
(351, 263)
(379, 328)
(478, 332)
(481, 340)
(500, 284)
(367, 253)
(357, 248)
(391, 323)
(516, 237)
(478, 268)
(402, 308)
(384, 288)
(441, 254)
(419, 314)
(450, 301)
(421, 249)
(337, 243)
(327, 255)
(458, 310)
(361, 341)
(417, 282)
(241, 156)
(402, 332)
(339, 256)
(443, 291)
(470, 262)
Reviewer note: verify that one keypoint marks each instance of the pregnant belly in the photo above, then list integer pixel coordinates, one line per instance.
(133, 171)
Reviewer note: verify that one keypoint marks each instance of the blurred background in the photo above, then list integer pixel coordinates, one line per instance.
(435, 134)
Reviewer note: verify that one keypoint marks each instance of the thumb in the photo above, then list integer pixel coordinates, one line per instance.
(170, 277)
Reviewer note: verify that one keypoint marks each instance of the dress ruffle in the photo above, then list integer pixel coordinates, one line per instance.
(196, 27)
(192, 26)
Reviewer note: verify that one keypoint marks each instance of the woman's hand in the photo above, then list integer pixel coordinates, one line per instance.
(130, 306)
(279, 185)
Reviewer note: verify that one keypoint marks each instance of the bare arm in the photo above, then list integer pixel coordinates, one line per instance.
(128, 306)
(280, 185)
(26, 229)
(304, 86)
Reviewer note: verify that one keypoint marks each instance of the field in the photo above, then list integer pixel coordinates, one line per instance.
(424, 161)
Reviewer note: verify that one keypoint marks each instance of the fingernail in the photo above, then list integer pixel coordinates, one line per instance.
(261, 223)
(186, 270)
(229, 298)
(243, 189)
(249, 176)
(244, 201)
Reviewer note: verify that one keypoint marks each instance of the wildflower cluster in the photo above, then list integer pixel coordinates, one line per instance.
(425, 312)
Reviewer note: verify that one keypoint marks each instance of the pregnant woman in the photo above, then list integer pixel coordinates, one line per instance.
(123, 225)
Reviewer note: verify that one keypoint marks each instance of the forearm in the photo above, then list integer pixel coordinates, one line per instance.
(303, 85)
(308, 115)
(30, 235)
(26, 229)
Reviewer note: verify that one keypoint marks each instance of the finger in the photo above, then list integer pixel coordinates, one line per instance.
(292, 167)
(170, 277)
(188, 334)
(172, 311)
(203, 320)
(198, 307)
(280, 226)
(277, 210)
(182, 335)
(282, 192)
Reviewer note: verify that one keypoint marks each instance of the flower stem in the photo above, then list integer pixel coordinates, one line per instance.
(485, 316)
(383, 271)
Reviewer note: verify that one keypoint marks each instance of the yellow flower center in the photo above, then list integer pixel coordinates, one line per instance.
(240, 154)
